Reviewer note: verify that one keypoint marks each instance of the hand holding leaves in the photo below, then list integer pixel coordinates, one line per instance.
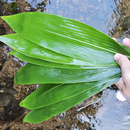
(124, 82)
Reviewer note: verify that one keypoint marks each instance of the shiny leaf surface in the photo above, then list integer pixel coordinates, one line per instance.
(30, 49)
(67, 37)
(34, 74)
(59, 93)
(50, 64)
(72, 59)
(42, 114)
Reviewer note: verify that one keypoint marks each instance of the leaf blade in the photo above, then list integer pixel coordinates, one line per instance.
(33, 74)
(39, 115)
(67, 37)
(58, 92)
(40, 62)
(31, 49)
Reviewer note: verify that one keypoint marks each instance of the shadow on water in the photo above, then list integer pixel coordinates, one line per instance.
(100, 112)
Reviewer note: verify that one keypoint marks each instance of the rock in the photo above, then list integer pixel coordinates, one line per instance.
(8, 68)
(1, 74)
(2, 30)
(4, 1)
(5, 99)
(8, 128)
(1, 112)
(9, 91)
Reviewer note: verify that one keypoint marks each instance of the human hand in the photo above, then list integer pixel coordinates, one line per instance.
(124, 82)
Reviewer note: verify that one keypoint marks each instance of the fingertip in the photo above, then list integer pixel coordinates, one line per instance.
(122, 61)
(126, 42)
(114, 39)
(116, 57)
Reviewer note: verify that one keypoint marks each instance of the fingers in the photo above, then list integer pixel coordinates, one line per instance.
(114, 39)
(120, 84)
(124, 83)
(125, 88)
(126, 42)
(123, 62)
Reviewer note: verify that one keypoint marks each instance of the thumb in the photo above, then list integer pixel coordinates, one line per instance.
(123, 62)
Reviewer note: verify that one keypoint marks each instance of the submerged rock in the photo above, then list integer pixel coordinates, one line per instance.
(5, 99)
(2, 30)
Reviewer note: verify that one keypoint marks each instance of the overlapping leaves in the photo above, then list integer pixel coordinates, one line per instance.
(72, 60)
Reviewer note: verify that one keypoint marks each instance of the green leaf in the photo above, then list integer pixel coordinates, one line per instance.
(34, 74)
(33, 50)
(58, 92)
(50, 64)
(66, 36)
(72, 56)
(42, 114)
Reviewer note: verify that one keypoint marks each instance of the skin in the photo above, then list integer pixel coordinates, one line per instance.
(124, 83)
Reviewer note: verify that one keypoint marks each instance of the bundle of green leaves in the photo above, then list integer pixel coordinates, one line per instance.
(71, 60)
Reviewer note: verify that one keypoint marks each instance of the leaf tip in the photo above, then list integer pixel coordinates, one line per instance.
(24, 120)
(3, 17)
(15, 79)
(21, 104)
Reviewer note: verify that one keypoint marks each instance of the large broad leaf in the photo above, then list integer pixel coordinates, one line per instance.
(30, 49)
(59, 92)
(51, 64)
(42, 114)
(72, 56)
(67, 37)
(34, 74)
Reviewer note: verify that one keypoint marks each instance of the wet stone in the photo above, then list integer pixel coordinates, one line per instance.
(12, 111)
(38, 128)
(2, 30)
(58, 127)
(4, 1)
(5, 99)
(1, 13)
(8, 128)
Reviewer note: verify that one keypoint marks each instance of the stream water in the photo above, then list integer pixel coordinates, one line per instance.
(102, 111)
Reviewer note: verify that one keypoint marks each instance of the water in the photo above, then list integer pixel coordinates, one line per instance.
(95, 13)
(112, 114)
(104, 111)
